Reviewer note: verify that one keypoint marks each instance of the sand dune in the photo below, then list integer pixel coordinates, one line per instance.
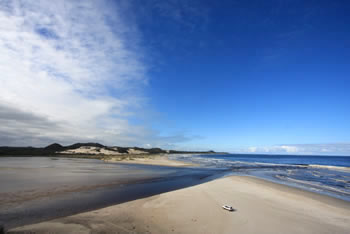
(90, 150)
(160, 160)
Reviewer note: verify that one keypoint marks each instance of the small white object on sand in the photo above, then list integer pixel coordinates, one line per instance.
(229, 208)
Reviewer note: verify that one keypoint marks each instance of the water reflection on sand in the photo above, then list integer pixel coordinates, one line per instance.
(40, 188)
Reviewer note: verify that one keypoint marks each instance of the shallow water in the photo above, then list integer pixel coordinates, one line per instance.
(328, 175)
(35, 189)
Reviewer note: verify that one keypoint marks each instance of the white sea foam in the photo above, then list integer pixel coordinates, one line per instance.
(338, 168)
(317, 185)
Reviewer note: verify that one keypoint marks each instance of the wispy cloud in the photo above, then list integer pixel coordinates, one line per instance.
(302, 149)
(70, 70)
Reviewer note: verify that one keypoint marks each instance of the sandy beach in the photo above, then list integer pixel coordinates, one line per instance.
(260, 207)
(159, 160)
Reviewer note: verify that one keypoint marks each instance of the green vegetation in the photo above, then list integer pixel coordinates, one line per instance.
(57, 150)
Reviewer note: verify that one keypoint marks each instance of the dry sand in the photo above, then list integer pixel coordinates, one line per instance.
(261, 207)
(160, 160)
(90, 150)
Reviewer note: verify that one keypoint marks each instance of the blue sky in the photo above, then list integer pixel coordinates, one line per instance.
(239, 76)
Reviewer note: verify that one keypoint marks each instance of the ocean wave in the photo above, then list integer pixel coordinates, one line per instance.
(228, 163)
(338, 168)
(346, 181)
(317, 185)
(329, 179)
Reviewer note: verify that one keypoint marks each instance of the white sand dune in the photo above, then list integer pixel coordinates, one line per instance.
(93, 150)
(134, 151)
(90, 150)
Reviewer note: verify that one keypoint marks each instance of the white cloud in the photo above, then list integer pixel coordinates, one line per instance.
(300, 149)
(288, 148)
(252, 149)
(69, 70)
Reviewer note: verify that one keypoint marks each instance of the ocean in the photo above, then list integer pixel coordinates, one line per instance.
(329, 175)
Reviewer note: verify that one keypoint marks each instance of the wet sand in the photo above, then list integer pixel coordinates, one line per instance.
(260, 207)
(39, 189)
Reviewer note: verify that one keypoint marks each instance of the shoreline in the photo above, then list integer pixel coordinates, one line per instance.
(146, 159)
(261, 206)
(157, 160)
(239, 184)
(48, 188)
(164, 160)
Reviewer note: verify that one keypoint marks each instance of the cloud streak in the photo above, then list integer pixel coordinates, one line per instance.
(70, 70)
(302, 149)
